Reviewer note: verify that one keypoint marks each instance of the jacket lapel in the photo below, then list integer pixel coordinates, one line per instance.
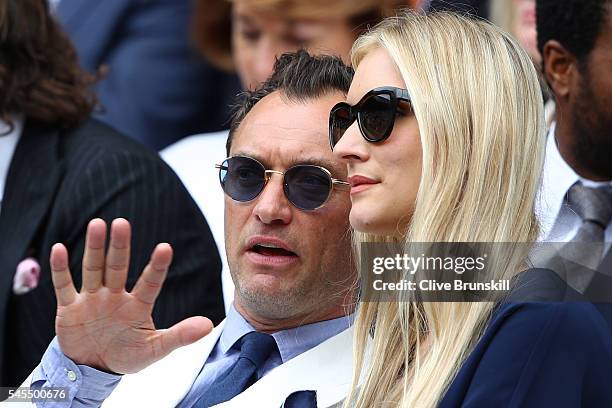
(605, 266)
(32, 181)
(600, 287)
(326, 369)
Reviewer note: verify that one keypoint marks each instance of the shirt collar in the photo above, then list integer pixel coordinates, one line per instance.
(290, 342)
(557, 179)
(234, 329)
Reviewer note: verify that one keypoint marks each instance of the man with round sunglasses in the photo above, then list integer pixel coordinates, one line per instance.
(306, 186)
(287, 338)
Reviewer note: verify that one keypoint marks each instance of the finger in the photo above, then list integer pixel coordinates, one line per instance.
(181, 334)
(118, 257)
(150, 282)
(60, 275)
(93, 257)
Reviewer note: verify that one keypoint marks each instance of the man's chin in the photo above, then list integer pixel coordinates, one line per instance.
(274, 302)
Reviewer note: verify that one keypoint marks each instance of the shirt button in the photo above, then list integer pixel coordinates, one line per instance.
(71, 375)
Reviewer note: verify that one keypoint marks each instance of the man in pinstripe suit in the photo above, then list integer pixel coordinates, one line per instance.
(58, 170)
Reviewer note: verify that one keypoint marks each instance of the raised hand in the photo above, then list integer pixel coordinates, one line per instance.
(104, 326)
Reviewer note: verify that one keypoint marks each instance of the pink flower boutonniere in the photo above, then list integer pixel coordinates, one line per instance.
(26, 276)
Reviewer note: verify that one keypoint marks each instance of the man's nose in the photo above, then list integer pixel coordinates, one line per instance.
(272, 206)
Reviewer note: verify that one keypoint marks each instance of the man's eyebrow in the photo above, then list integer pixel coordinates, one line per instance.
(334, 168)
(251, 155)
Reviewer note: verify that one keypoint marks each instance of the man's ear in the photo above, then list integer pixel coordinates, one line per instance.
(559, 68)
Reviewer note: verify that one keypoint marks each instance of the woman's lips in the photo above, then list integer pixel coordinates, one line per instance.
(361, 183)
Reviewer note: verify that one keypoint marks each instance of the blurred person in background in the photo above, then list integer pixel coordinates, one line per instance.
(58, 170)
(518, 18)
(246, 36)
(153, 86)
(479, 8)
(575, 41)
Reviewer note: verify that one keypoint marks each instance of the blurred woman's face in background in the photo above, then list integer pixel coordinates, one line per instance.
(258, 37)
(524, 27)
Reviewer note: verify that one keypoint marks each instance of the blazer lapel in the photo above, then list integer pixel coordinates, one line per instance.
(600, 287)
(326, 369)
(166, 382)
(32, 181)
(605, 266)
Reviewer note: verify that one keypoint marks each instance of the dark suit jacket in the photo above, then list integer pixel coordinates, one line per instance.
(600, 288)
(157, 90)
(57, 182)
(538, 354)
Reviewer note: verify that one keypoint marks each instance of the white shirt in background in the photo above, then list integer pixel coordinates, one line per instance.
(8, 143)
(559, 223)
(53, 4)
(193, 159)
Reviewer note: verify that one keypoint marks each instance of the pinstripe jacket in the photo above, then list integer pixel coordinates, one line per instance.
(56, 183)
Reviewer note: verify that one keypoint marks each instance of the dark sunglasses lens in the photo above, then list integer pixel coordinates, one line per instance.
(339, 121)
(376, 116)
(243, 179)
(307, 187)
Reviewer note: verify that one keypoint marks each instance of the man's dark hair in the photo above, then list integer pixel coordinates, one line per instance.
(300, 77)
(39, 72)
(575, 24)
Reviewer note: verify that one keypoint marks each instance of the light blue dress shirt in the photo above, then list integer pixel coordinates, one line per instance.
(88, 387)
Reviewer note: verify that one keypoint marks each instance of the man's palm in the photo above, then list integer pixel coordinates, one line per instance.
(104, 326)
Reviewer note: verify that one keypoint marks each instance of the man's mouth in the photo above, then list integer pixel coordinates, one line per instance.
(271, 250)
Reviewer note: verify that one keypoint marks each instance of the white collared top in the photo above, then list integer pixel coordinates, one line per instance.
(8, 143)
(559, 223)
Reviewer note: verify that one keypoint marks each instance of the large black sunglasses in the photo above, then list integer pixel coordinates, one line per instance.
(306, 186)
(375, 113)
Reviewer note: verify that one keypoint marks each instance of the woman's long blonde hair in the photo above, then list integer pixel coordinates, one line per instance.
(477, 100)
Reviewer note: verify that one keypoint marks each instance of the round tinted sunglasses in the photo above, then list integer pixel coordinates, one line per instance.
(375, 113)
(306, 186)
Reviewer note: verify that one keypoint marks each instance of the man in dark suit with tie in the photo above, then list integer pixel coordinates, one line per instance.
(575, 41)
(63, 169)
(154, 86)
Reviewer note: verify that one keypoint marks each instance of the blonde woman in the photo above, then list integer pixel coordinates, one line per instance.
(443, 136)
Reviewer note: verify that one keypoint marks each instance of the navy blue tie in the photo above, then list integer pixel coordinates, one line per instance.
(255, 348)
(301, 399)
